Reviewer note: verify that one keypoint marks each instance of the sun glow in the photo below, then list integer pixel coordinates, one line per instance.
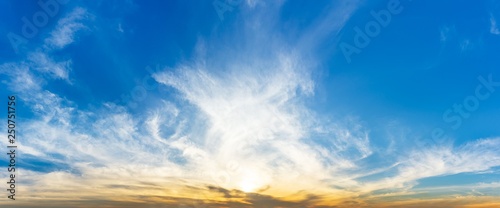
(248, 185)
(251, 181)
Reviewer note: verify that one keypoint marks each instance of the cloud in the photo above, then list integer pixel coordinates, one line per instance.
(30, 75)
(493, 26)
(251, 117)
(441, 161)
(251, 3)
(466, 45)
(447, 160)
(45, 65)
(444, 34)
(66, 28)
(20, 77)
(329, 25)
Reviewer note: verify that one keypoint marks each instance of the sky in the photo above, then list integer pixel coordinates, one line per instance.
(252, 103)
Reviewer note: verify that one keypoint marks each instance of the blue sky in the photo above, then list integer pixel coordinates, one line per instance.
(255, 103)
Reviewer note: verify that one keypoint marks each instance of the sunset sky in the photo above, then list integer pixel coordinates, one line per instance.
(252, 103)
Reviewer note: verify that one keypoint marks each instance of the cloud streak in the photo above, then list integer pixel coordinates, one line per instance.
(493, 26)
(66, 29)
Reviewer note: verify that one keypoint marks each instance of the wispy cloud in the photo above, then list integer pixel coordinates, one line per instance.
(445, 33)
(444, 160)
(45, 65)
(493, 26)
(39, 61)
(66, 29)
(19, 77)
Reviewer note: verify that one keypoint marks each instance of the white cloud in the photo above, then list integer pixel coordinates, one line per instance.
(120, 28)
(66, 29)
(42, 63)
(254, 114)
(447, 160)
(493, 26)
(330, 23)
(23, 73)
(21, 79)
(466, 45)
(473, 157)
(447, 32)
